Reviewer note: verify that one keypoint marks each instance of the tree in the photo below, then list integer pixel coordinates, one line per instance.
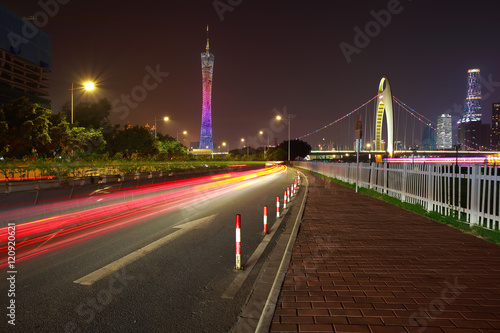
(170, 148)
(24, 128)
(131, 140)
(60, 134)
(86, 141)
(298, 148)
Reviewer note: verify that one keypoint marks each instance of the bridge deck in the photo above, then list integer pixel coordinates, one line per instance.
(363, 265)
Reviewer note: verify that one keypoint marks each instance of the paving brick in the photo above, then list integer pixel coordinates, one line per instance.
(393, 329)
(283, 328)
(351, 328)
(314, 312)
(297, 320)
(316, 328)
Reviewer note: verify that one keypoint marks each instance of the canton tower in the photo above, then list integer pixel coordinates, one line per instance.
(207, 69)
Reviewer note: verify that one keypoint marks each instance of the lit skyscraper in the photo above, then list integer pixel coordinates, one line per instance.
(469, 127)
(207, 69)
(444, 132)
(495, 127)
(473, 100)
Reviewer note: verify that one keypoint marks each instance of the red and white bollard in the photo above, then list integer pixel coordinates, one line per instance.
(277, 206)
(289, 194)
(265, 220)
(238, 243)
(284, 200)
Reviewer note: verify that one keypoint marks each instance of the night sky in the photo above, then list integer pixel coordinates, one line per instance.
(270, 55)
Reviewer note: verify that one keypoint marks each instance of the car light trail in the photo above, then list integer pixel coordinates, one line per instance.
(81, 219)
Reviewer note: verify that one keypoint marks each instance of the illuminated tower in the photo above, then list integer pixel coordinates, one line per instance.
(473, 99)
(469, 127)
(207, 69)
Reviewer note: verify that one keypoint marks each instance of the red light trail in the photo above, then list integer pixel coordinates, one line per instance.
(80, 219)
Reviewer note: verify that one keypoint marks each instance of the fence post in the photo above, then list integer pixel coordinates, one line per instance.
(430, 186)
(474, 196)
(403, 185)
(386, 180)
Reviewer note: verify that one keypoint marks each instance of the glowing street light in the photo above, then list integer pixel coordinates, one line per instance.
(88, 86)
(278, 117)
(164, 119)
(262, 133)
(183, 132)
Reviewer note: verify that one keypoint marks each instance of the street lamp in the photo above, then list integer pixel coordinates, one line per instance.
(243, 140)
(278, 117)
(183, 132)
(223, 145)
(262, 133)
(164, 119)
(87, 86)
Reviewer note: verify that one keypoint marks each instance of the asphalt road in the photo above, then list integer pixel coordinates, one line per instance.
(174, 287)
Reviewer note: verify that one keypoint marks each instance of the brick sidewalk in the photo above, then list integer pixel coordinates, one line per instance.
(362, 265)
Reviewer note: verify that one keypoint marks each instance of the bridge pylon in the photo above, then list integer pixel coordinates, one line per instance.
(384, 105)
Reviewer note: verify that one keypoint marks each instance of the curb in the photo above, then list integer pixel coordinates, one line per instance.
(258, 312)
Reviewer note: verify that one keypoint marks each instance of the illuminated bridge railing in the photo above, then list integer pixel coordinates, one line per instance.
(467, 192)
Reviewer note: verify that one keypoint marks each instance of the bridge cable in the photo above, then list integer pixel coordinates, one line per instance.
(336, 121)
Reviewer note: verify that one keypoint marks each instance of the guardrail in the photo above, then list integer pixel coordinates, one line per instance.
(469, 192)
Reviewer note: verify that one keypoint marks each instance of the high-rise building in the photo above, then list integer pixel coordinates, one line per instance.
(207, 69)
(444, 132)
(429, 137)
(473, 99)
(469, 127)
(495, 127)
(25, 59)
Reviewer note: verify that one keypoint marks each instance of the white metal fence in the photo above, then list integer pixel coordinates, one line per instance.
(469, 192)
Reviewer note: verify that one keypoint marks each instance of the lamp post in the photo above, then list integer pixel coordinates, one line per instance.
(223, 145)
(183, 132)
(262, 133)
(278, 117)
(164, 119)
(243, 140)
(87, 86)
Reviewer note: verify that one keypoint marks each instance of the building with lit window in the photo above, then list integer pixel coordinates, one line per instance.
(469, 126)
(495, 127)
(444, 132)
(429, 138)
(25, 59)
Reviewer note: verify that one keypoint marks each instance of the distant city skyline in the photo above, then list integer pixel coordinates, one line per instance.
(292, 59)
